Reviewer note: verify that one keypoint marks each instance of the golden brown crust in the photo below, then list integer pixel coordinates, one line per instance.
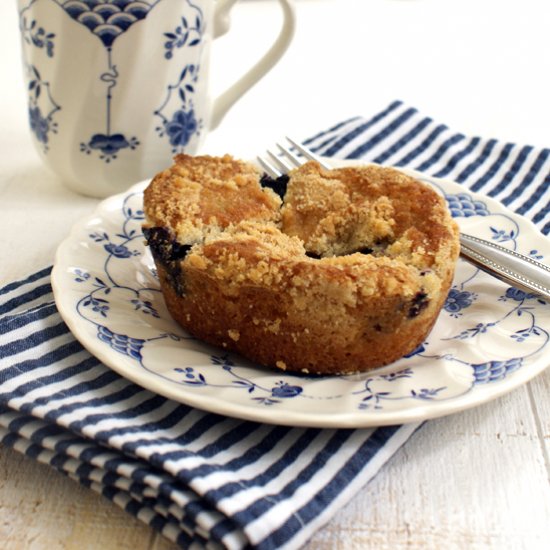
(200, 193)
(350, 274)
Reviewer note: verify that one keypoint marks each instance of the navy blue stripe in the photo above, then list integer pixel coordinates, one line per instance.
(127, 391)
(177, 414)
(400, 143)
(30, 279)
(166, 487)
(53, 356)
(141, 408)
(545, 210)
(546, 228)
(474, 165)
(84, 470)
(441, 150)
(33, 451)
(10, 439)
(494, 168)
(184, 540)
(62, 445)
(196, 507)
(330, 130)
(134, 507)
(421, 147)
(36, 292)
(192, 509)
(333, 150)
(113, 464)
(112, 478)
(59, 461)
(47, 430)
(535, 197)
(19, 422)
(59, 376)
(231, 437)
(14, 322)
(261, 506)
(85, 483)
(528, 178)
(301, 445)
(89, 454)
(457, 157)
(324, 144)
(32, 340)
(204, 424)
(111, 492)
(383, 134)
(262, 448)
(514, 169)
(158, 522)
(346, 475)
(103, 378)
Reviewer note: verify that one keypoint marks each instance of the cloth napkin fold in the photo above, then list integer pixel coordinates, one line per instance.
(201, 479)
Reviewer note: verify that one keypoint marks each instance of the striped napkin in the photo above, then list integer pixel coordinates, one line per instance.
(201, 479)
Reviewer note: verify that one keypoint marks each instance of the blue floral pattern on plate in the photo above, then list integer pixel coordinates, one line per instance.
(489, 338)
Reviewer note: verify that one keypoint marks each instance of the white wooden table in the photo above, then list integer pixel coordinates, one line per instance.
(474, 480)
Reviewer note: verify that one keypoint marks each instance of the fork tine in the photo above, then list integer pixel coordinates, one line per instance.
(297, 161)
(269, 168)
(278, 165)
(283, 164)
(307, 153)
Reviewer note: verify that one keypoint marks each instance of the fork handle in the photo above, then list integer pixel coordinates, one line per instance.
(511, 267)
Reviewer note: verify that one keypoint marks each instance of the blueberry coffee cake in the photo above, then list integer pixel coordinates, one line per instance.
(320, 271)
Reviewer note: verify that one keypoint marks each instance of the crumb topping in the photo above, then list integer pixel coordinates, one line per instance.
(345, 233)
(201, 194)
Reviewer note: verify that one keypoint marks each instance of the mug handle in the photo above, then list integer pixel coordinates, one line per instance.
(225, 100)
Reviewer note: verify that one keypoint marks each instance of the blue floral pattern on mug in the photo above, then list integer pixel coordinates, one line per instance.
(36, 35)
(108, 146)
(42, 108)
(40, 125)
(107, 19)
(181, 128)
(186, 33)
(177, 114)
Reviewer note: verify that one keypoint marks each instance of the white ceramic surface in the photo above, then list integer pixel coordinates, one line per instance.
(116, 88)
(488, 340)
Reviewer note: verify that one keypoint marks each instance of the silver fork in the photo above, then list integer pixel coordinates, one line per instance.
(507, 265)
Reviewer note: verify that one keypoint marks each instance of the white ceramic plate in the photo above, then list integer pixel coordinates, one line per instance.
(488, 340)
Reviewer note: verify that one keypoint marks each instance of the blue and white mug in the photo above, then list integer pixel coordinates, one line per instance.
(117, 87)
